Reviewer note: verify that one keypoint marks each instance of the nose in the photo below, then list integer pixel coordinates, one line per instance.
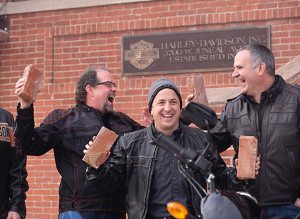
(114, 89)
(167, 106)
(235, 73)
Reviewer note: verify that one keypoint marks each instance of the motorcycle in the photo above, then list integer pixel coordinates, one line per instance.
(214, 204)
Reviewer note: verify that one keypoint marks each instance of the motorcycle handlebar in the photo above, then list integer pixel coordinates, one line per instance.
(186, 155)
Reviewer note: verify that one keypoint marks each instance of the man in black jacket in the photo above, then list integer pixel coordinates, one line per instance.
(268, 109)
(67, 132)
(13, 184)
(151, 173)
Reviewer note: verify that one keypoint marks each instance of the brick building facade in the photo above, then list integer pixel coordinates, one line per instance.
(63, 41)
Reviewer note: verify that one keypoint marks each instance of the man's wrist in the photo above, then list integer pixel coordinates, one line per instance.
(24, 105)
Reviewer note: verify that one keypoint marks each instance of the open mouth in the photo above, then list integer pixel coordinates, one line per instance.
(111, 99)
(241, 81)
(167, 116)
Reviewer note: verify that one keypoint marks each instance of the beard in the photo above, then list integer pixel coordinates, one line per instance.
(107, 108)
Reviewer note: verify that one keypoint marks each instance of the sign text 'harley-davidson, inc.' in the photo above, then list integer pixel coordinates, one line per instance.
(177, 52)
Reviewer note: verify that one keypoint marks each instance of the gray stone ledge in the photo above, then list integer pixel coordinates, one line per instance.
(50, 5)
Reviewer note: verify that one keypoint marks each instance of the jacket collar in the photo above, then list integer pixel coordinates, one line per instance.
(105, 118)
(276, 87)
(272, 92)
(153, 133)
(85, 107)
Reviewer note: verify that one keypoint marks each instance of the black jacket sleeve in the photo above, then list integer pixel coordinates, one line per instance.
(114, 169)
(17, 174)
(220, 135)
(225, 177)
(33, 141)
(17, 182)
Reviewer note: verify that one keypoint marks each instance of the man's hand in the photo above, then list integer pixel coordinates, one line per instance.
(18, 87)
(189, 99)
(147, 115)
(13, 215)
(103, 156)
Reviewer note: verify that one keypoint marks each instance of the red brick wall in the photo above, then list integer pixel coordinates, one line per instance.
(63, 43)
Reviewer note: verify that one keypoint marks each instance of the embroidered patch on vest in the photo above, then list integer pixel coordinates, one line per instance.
(7, 134)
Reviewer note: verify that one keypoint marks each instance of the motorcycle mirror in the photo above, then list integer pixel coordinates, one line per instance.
(177, 210)
(199, 114)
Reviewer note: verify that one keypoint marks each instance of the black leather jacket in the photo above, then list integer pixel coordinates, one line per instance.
(13, 184)
(67, 132)
(133, 159)
(277, 127)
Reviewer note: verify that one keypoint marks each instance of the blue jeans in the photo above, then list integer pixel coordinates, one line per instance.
(70, 215)
(282, 210)
(91, 215)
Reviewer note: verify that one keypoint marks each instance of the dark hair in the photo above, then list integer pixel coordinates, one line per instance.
(261, 54)
(88, 77)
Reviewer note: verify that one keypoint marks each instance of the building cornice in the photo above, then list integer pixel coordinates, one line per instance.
(50, 5)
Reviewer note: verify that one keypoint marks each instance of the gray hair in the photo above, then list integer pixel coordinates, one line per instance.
(261, 54)
(88, 77)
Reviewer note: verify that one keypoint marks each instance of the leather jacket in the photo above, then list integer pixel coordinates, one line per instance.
(67, 132)
(276, 125)
(13, 184)
(133, 161)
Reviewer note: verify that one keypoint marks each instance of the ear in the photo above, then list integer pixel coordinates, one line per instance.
(261, 68)
(89, 90)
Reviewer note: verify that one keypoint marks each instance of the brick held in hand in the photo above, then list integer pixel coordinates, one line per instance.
(33, 79)
(103, 142)
(196, 86)
(247, 157)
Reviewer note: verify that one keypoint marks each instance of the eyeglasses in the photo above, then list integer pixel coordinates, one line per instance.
(107, 84)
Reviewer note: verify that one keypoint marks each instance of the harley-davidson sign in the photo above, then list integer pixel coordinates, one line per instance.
(187, 51)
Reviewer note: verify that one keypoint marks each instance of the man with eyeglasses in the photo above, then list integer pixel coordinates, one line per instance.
(67, 132)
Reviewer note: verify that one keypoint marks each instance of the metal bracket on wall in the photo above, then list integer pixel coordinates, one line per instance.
(4, 28)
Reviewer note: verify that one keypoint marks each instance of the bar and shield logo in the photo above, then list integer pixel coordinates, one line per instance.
(141, 54)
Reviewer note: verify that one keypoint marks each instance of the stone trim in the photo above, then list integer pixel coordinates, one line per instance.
(50, 5)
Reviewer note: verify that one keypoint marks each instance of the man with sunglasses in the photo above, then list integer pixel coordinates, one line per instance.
(67, 132)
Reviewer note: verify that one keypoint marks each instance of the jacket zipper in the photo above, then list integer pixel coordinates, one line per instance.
(149, 183)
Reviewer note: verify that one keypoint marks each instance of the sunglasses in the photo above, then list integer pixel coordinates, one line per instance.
(107, 84)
